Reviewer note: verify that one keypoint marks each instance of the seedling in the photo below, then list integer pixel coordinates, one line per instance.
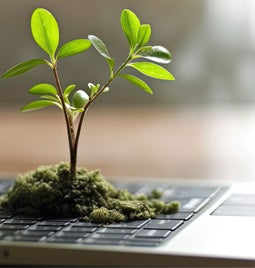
(75, 103)
(46, 34)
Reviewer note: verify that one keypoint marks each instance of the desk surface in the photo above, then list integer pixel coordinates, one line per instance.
(138, 141)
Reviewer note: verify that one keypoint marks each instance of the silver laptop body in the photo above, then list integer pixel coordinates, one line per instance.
(215, 227)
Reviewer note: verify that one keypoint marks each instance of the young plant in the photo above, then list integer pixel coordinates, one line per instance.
(75, 103)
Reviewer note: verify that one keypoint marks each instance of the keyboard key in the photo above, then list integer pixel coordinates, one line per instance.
(80, 229)
(143, 242)
(62, 220)
(45, 228)
(20, 221)
(64, 234)
(71, 240)
(53, 223)
(164, 224)
(109, 236)
(152, 233)
(190, 191)
(193, 204)
(25, 238)
(130, 224)
(176, 216)
(85, 224)
(116, 231)
(95, 241)
(5, 215)
(13, 226)
(19, 217)
(35, 233)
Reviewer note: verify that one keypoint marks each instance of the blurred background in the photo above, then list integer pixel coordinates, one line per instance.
(207, 115)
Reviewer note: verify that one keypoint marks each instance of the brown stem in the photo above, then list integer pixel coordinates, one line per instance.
(69, 125)
(86, 107)
(92, 99)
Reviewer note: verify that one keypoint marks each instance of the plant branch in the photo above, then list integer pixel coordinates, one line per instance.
(94, 97)
(69, 124)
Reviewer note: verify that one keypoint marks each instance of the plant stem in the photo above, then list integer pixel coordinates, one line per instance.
(73, 138)
(93, 98)
(69, 125)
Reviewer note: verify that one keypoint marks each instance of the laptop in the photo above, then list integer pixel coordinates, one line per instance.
(215, 226)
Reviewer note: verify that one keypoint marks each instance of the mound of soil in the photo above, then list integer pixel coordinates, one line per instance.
(51, 192)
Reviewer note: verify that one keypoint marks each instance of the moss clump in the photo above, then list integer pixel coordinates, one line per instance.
(50, 191)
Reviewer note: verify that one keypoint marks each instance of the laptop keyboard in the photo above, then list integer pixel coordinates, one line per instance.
(151, 232)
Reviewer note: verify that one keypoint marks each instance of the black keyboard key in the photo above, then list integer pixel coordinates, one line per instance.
(176, 216)
(116, 231)
(96, 241)
(35, 233)
(69, 220)
(68, 235)
(164, 224)
(190, 191)
(25, 238)
(20, 221)
(19, 217)
(45, 228)
(143, 242)
(80, 229)
(152, 233)
(72, 240)
(13, 227)
(109, 236)
(129, 224)
(53, 223)
(5, 215)
(193, 204)
(85, 224)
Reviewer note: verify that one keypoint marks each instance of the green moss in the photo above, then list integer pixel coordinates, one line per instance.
(49, 191)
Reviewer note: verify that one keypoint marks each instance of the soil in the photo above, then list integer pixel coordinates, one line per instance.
(50, 191)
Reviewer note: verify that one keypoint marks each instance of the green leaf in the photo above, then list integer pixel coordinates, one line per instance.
(130, 25)
(68, 90)
(36, 105)
(73, 47)
(93, 88)
(156, 53)
(144, 34)
(74, 109)
(152, 70)
(53, 98)
(138, 82)
(45, 31)
(102, 49)
(23, 67)
(43, 89)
